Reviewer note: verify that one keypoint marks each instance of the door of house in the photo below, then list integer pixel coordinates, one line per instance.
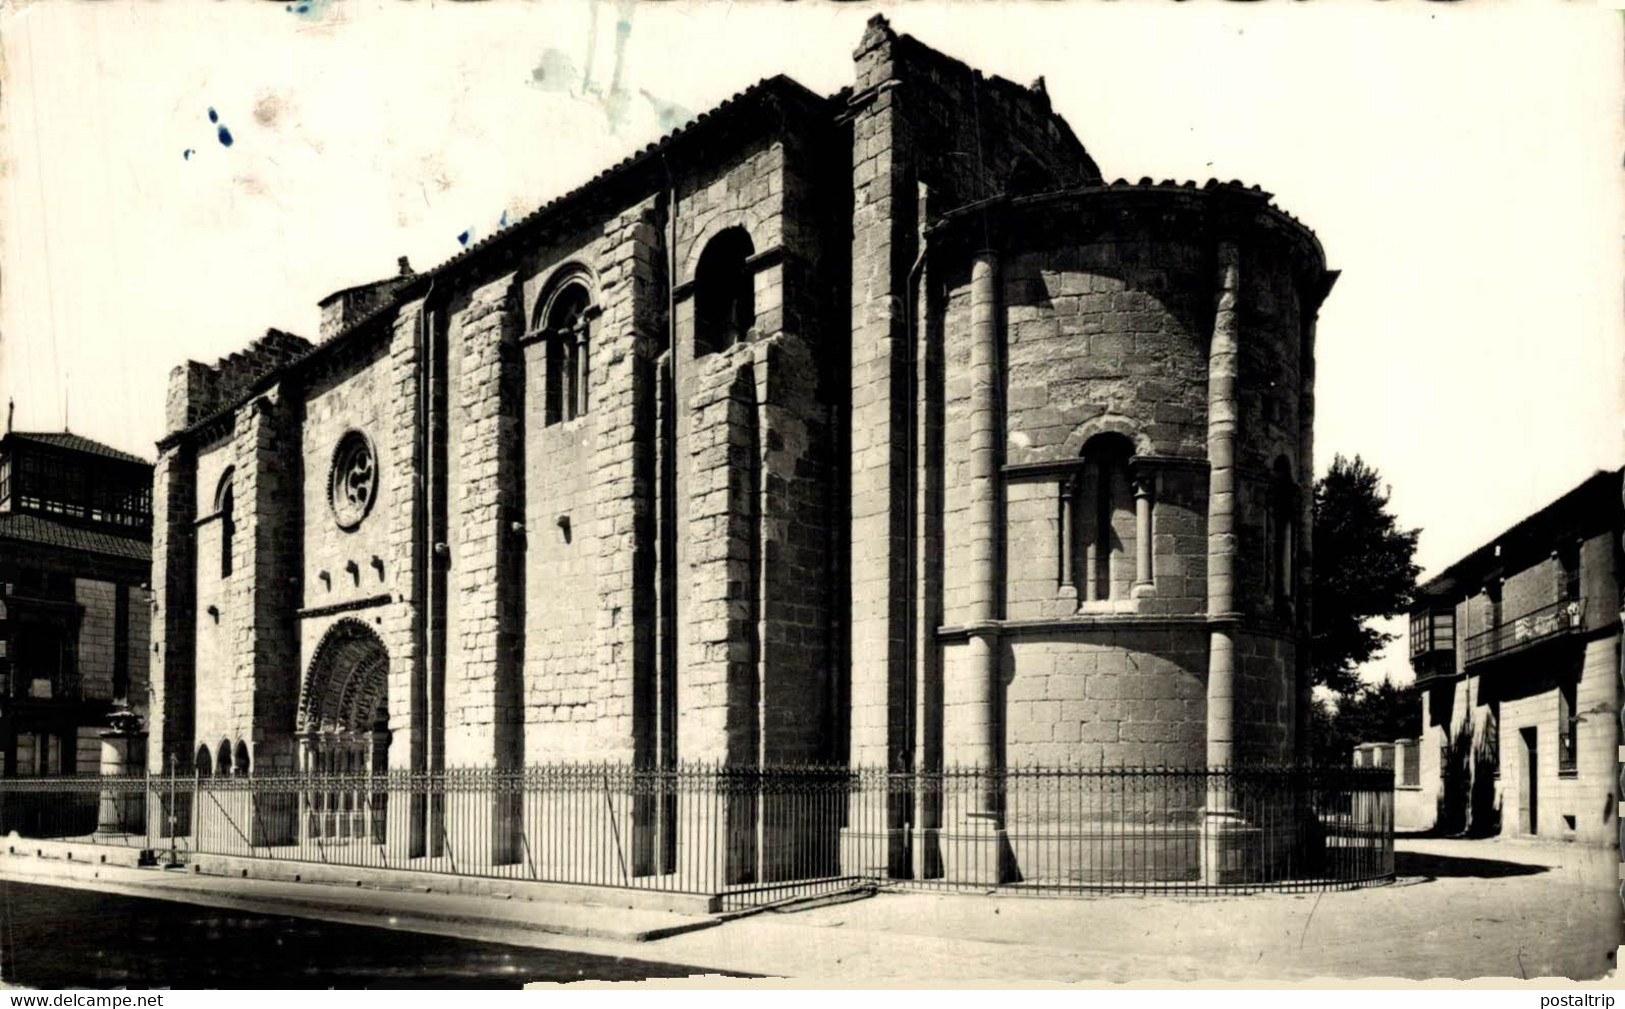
(1529, 793)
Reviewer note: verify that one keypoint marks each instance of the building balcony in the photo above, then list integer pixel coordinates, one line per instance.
(1554, 620)
(22, 688)
(1433, 644)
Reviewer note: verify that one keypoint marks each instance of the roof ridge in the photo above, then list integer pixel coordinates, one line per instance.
(79, 442)
(406, 290)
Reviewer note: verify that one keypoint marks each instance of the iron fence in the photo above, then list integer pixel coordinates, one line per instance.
(755, 835)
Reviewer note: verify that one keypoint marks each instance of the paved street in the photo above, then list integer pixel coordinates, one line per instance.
(1460, 909)
(56, 937)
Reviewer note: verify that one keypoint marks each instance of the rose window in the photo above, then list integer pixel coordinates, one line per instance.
(354, 480)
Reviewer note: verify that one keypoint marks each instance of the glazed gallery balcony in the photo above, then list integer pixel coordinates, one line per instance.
(1554, 620)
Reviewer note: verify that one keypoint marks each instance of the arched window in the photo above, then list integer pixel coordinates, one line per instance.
(204, 764)
(225, 505)
(222, 761)
(241, 764)
(724, 292)
(566, 329)
(1281, 532)
(1102, 503)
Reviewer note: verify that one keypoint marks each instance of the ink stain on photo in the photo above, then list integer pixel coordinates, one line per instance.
(308, 10)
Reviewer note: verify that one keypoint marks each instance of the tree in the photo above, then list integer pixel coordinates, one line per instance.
(1363, 570)
(1372, 713)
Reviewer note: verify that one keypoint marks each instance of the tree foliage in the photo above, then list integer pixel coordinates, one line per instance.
(1372, 713)
(1363, 570)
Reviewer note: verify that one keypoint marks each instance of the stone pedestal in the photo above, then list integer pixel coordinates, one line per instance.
(1229, 848)
(122, 809)
(925, 853)
(976, 851)
(874, 854)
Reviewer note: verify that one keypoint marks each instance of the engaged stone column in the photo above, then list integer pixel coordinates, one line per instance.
(979, 700)
(1221, 511)
(974, 848)
(1143, 483)
(1069, 504)
(1227, 840)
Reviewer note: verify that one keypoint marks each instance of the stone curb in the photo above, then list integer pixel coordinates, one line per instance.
(151, 883)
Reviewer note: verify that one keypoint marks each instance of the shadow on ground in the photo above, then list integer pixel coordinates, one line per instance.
(1415, 863)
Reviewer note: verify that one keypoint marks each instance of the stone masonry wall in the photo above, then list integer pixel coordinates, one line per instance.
(1530, 705)
(954, 111)
(559, 589)
(214, 636)
(1268, 383)
(338, 563)
(1265, 677)
(884, 237)
(376, 394)
(264, 583)
(793, 501)
(627, 337)
(561, 578)
(916, 115)
(483, 712)
(1107, 697)
(401, 447)
(1109, 329)
(173, 654)
(138, 647)
(97, 646)
(726, 421)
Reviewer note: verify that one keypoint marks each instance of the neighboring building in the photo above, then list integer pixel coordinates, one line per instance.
(873, 428)
(75, 559)
(1516, 651)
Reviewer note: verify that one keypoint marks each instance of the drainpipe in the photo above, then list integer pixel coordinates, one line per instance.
(668, 577)
(913, 711)
(433, 571)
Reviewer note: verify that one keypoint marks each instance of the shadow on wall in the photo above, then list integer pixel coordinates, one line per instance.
(1468, 803)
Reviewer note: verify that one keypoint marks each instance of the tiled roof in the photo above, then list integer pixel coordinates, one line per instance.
(42, 531)
(1597, 495)
(77, 443)
(778, 84)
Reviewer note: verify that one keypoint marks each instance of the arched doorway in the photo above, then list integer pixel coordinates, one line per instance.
(344, 733)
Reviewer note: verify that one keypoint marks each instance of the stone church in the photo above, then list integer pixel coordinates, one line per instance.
(873, 428)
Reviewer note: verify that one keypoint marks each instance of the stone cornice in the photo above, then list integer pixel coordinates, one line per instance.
(1224, 207)
(1117, 622)
(311, 613)
(1049, 467)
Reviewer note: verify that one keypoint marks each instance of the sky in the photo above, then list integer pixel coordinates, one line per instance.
(1460, 164)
